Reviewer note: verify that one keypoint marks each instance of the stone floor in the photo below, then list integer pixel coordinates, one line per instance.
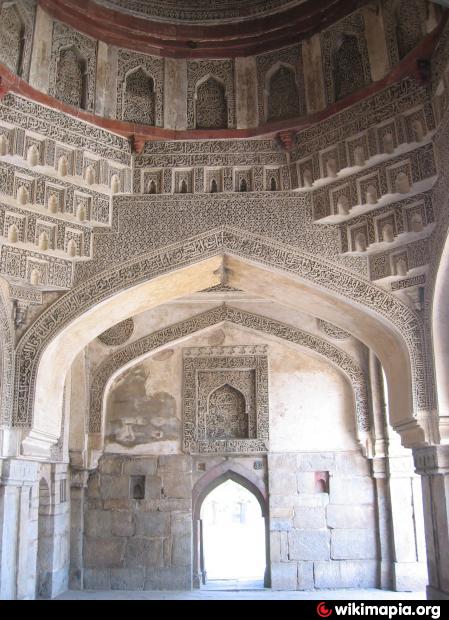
(220, 594)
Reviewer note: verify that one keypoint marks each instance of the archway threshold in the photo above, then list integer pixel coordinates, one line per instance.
(204, 594)
(234, 585)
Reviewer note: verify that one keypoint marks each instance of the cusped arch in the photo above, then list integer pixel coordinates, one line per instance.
(318, 286)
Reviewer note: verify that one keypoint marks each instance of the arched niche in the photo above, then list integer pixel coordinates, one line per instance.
(71, 78)
(282, 93)
(207, 483)
(305, 283)
(226, 416)
(139, 97)
(12, 38)
(409, 25)
(347, 66)
(211, 107)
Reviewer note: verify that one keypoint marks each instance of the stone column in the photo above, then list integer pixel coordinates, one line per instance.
(380, 473)
(432, 463)
(398, 499)
(17, 529)
(78, 487)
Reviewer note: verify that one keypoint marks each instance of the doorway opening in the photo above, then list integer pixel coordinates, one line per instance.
(233, 539)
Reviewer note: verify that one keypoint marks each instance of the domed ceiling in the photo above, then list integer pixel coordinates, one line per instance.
(200, 11)
(200, 28)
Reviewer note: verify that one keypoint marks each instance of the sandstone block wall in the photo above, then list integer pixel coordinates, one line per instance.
(322, 539)
(135, 544)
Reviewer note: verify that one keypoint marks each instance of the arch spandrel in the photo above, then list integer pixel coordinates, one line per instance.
(374, 316)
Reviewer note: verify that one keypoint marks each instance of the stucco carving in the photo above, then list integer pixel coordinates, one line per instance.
(225, 399)
(201, 71)
(118, 334)
(73, 51)
(212, 317)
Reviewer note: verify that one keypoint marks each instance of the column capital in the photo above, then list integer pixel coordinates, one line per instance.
(431, 460)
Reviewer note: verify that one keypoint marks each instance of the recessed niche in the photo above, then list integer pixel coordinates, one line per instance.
(137, 487)
(321, 482)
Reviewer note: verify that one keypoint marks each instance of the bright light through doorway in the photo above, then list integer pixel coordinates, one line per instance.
(233, 534)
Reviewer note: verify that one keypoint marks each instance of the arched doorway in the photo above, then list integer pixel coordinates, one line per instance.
(233, 538)
(230, 530)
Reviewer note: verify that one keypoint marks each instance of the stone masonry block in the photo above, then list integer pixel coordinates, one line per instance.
(353, 544)
(284, 575)
(309, 545)
(346, 574)
(127, 578)
(114, 487)
(282, 483)
(143, 552)
(96, 579)
(349, 517)
(175, 463)
(103, 553)
(181, 551)
(140, 466)
(281, 461)
(177, 485)
(351, 464)
(315, 461)
(172, 578)
(123, 523)
(351, 490)
(98, 524)
(306, 482)
(309, 517)
(305, 576)
(152, 524)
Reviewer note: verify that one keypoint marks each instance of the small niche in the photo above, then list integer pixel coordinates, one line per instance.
(201, 466)
(321, 482)
(137, 487)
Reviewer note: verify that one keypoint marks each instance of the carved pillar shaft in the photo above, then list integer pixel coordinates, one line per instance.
(432, 464)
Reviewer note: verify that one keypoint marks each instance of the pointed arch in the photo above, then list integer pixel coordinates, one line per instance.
(211, 106)
(139, 97)
(317, 286)
(71, 78)
(282, 92)
(348, 67)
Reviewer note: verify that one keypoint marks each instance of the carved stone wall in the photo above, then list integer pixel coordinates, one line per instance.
(73, 67)
(6, 364)
(280, 84)
(233, 422)
(404, 23)
(200, 71)
(16, 35)
(141, 103)
(345, 57)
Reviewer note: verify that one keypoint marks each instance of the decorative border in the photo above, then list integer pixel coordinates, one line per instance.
(210, 318)
(6, 363)
(225, 358)
(317, 271)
